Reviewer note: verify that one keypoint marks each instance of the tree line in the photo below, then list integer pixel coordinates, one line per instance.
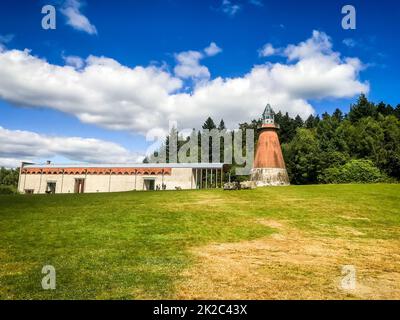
(8, 180)
(360, 146)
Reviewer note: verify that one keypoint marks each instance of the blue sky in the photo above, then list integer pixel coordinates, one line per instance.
(152, 35)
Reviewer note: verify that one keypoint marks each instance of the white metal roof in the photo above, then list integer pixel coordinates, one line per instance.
(197, 165)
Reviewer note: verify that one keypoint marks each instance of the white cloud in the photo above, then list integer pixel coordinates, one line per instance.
(188, 63)
(17, 146)
(74, 61)
(212, 49)
(318, 45)
(10, 162)
(71, 10)
(188, 66)
(267, 50)
(110, 95)
(230, 8)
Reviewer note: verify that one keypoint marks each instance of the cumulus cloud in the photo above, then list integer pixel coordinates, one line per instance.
(71, 10)
(318, 45)
(74, 61)
(212, 49)
(17, 146)
(188, 66)
(114, 96)
(188, 63)
(267, 50)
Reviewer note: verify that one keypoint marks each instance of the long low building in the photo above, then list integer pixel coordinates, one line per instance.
(91, 178)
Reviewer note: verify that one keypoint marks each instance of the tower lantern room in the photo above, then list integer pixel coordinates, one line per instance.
(268, 115)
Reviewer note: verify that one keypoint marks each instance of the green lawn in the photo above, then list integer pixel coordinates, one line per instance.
(140, 244)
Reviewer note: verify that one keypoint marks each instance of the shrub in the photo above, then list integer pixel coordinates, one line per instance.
(361, 171)
(7, 190)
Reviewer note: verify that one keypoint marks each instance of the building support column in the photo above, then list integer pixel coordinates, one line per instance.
(135, 178)
(24, 181)
(84, 182)
(109, 182)
(62, 181)
(40, 181)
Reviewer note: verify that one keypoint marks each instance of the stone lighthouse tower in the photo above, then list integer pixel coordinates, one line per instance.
(269, 167)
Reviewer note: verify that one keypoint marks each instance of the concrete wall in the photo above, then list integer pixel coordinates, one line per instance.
(180, 177)
(270, 177)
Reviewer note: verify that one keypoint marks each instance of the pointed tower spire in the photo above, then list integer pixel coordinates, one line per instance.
(268, 115)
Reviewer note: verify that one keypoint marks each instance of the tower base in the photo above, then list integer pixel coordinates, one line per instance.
(270, 177)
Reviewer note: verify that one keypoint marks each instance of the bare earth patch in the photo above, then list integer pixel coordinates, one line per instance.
(293, 265)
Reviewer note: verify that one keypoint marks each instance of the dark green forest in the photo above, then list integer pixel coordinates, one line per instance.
(360, 146)
(8, 180)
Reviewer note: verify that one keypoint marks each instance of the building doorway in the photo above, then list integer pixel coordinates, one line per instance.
(51, 187)
(149, 184)
(79, 186)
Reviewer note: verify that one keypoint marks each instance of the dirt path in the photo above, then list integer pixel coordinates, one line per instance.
(292, 265)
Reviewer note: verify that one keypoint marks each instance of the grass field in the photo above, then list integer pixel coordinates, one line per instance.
(268, 243)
